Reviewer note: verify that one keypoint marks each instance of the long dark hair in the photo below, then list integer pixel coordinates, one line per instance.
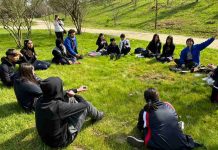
(99, 36)
(151, 96)
(153, 39)
(26, 73)
(171, 38)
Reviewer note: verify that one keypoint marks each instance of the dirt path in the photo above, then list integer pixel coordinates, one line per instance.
(178, 39)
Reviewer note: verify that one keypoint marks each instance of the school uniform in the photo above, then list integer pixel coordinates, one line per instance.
(124, 46)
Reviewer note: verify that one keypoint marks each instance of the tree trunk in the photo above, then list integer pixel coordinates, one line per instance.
(156, 11)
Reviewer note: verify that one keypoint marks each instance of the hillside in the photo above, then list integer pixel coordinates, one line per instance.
(179, 17)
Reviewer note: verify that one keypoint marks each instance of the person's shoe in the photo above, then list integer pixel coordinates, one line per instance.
(135, 142)
(99, 116)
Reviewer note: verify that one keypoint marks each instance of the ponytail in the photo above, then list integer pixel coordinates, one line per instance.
(150, 106)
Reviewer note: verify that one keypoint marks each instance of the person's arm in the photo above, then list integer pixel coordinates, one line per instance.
(128, 43)
(118, 50)
(68, 45)
(159, 48)
(203, 45)
(164, 51)
(149, 47)
(182, 57)
(68, 109)
(141, 124)
(34, 89)
(172, 50)
(6, 77)
(56, 53)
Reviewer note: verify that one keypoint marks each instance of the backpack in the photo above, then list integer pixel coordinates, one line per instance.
(139, 50)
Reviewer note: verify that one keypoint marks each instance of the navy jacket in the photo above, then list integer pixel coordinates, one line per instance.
(195, 50)
(161, 129)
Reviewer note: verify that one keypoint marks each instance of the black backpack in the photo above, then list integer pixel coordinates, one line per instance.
(139, 50)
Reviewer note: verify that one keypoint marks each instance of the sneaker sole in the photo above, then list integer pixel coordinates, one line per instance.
(135, 142)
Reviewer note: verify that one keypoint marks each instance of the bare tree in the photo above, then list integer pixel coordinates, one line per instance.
(75, 8)
(156, 12)
(16, 17)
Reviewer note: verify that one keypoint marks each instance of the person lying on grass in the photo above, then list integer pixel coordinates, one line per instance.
(71, 44)
(158, 123)
(60, 114)
(101, 43)
(153, 48)
(7, 67)
(60, 55)
(113, 50)
(190, 56)
(26, 87)
(168, 50)
(124, 45)
(29, 53)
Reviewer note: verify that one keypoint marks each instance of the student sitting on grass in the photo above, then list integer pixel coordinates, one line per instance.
(113, 49)
(168, 50)
(158, 123)
(29, 53)
(214, 77)
(190, 56)
(71, 44)
(60, 115)
(60, 54)
(124, 45)
(7, 67)
(102, 43)
(153, 48)
(26, 87)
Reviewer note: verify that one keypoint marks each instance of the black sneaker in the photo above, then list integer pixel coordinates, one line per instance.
(99, 117)
(135, 142)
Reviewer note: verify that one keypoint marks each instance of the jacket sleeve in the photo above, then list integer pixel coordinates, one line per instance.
(182, 57)
(164, 51)
(68, 109)
(56, 53)
(159, 48)
(172, 50)
(140, 124)
(149, 46)
(203, 45)
(67, 44)
(5, 76)
(34, 89)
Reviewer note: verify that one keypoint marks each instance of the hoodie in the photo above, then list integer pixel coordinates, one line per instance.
(52, 113)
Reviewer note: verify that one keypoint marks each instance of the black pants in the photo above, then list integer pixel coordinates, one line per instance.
(41, 65)
(214, 95)
(125, 51)
(188, 64)
(60, 35)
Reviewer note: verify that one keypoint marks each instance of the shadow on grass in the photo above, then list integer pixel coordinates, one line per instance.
(24, 140)
(9, 109)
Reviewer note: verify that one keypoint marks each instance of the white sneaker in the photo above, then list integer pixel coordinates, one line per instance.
(135, 142)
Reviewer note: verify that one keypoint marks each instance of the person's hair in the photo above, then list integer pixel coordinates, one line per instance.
(151, 95)
(122, 35)
(56, 17)
(171, 39)
(26, 73)
(153, 39)
(99, 36)
(190, 39)
(112, 39)
(26, 44)
(71, 31)
(11, 51)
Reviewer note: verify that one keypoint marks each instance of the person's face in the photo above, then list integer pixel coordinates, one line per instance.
(30, 44)
(102, 37)
(72, 35)
(169, 41)
(122, 38)
(156, 38)
(13, 58)
(189, 43)
(113, 42)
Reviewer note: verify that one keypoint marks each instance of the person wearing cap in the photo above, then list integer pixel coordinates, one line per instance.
(7, 67)
(113, 49)
(190, 56)
(159, 126)
(124, 45)
(71, 44)
(60, 114)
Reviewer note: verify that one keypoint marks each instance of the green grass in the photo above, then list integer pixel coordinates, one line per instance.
(115, 87)
(179, 17)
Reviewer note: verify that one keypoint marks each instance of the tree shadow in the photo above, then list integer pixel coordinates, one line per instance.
(9, 109)
(24, 140)
(151, 61)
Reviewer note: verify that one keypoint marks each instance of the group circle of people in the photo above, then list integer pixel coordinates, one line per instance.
(60, 114)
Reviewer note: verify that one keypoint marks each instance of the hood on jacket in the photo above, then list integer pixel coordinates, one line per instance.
(5, 60)
(52, 89)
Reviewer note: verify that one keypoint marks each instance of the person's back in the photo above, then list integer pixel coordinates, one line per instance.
(6, 72)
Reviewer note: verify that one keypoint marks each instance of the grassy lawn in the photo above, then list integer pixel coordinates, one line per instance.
(115, 87)
(179, 17)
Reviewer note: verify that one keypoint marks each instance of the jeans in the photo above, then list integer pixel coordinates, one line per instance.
(41, 65)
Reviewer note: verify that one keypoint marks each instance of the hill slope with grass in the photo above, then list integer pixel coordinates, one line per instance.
(115, 87)
(178, 17)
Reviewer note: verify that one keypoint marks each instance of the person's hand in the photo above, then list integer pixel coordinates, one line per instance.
(183, 66)
(70, 93)
(211, 66)
(70, 62)
(82, 88)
